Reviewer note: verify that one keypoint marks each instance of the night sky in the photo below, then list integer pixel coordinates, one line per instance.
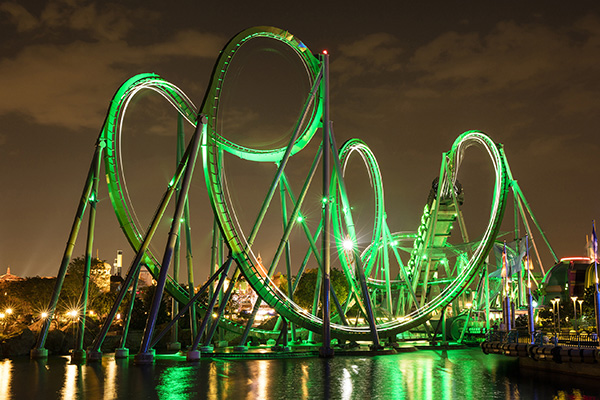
(406, 78)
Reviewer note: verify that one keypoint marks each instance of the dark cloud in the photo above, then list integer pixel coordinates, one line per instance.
(512, 56)
(374, 53)
(70, 84)
(19, 16)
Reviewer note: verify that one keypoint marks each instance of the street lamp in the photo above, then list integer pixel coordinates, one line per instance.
(574, 298)
(580, 301)
(558, 312)
(553, 301)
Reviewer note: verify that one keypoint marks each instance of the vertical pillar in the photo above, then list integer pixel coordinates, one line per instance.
(78, 354)
(597, 306)
(487, 297)
(326, 350)
(597, 293)
(444, 320)
(529, 295)
(174, 344)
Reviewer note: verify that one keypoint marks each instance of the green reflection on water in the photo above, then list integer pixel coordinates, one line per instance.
(452, 375)
(176, 383)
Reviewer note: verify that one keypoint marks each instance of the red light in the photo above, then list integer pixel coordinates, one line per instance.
(576, 259)
(324, 51)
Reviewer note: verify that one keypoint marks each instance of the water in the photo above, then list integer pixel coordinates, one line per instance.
(456, 374)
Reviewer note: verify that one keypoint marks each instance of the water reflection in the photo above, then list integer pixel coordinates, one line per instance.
(262, 379)
(346, 389)
(176, 383)
(459, 374)
(74, 376)
(304, 379)
(110, 387)
(5, 374)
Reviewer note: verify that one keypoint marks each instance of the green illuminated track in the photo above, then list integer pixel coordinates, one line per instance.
(409, 276)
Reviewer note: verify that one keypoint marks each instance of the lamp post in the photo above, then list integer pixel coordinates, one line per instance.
(558, 312)
(580, 301)
(553, 301)
(574, 299)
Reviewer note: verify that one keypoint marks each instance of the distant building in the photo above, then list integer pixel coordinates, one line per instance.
(569, 278)
(8, 277)
(101, 276)
(145, 278)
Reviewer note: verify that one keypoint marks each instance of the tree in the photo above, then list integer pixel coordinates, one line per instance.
(98, 300)
(29, 296)
(304, 293)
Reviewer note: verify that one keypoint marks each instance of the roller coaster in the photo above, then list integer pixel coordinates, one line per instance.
(396, 283)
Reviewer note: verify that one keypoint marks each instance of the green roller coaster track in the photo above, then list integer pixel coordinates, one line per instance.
(404, 294)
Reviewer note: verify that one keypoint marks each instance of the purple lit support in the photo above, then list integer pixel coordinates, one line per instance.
(597, 307)
(530, 315)
(597, 293)
(326, 350)
(529, 295)
(508, 313)
(145, 355)
(506, 301)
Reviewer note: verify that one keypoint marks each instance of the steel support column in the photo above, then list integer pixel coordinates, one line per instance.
(326, 350)
(145, 356)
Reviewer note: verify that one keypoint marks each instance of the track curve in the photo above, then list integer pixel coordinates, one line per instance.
(240, 243)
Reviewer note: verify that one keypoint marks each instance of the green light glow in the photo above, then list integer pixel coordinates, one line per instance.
(175, 383)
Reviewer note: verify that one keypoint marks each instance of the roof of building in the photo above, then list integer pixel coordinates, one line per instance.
(10, 277)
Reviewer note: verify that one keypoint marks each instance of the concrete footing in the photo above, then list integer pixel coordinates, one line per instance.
(144, 358)
(78, 356)
(193, 355)
(38, 353)
(94, 355)
(122, 353)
